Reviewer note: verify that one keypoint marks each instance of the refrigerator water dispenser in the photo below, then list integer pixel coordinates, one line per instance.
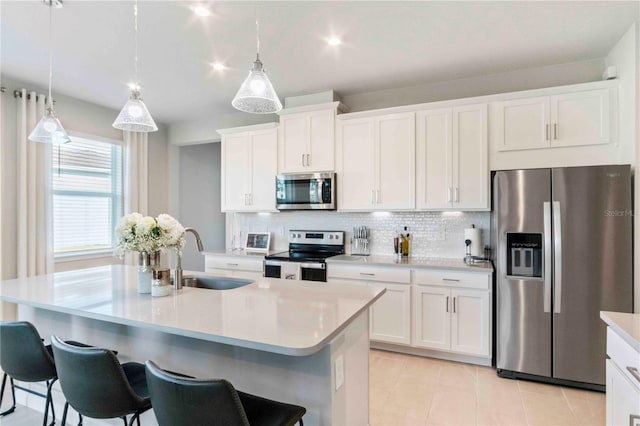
(524, 255)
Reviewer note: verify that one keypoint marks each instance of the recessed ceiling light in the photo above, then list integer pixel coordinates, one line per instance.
(334, 41)
(218, 66)
(200, 10)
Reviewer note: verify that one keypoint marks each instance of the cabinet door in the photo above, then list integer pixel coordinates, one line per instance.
(235, 172)
(390, 319)
(623, 398)
(470, 321)
(293, 143)
(580, 118)
(470, 164)
(264, 145)
(321, 141)
(523, 124)
(433, 163)
(395, 162)
(356, 177)
(431, 317)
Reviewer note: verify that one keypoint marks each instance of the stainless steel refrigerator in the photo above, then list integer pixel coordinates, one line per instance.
(563, 241)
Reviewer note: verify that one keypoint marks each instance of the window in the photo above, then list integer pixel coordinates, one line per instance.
(87, 195)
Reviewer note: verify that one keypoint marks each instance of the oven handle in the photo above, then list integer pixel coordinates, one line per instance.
(313, 266)
(272, 263)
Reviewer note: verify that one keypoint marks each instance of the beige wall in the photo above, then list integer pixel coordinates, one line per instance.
(81, 117)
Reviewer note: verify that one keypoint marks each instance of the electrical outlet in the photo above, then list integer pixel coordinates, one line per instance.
(339, 371)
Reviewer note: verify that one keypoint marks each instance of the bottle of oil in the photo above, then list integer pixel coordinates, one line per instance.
(404, 242)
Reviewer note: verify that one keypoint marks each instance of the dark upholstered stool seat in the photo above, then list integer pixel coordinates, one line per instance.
(179, 400)
(96, 385)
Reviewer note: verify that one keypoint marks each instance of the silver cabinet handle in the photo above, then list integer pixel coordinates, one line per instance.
(454, 305)
(557, 266)
(371, 196)
(377, 196)
(546, 291)
(308, 161)
(555, 131)
(546, 132)
(634, 372)
(456, 194)
(302, 160)
(367, 274)
(446, 305)
(449, 195)
(245, 199)
(232, 264)
(451, 279)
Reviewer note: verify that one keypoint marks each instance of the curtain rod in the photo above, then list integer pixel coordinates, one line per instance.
(3, 89)
(18, 94)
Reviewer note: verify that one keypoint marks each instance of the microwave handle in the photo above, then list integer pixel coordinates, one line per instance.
(319, 190)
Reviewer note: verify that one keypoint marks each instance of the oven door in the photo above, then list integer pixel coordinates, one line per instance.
(313, 272)
(305, 191)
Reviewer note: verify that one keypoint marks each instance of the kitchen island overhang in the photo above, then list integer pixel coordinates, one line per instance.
(281, 339)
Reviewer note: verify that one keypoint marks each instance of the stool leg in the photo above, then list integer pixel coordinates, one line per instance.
(124, 418)
(64, 413)
(79, 419)
(50, 402)
(13, 394)
(136, 417)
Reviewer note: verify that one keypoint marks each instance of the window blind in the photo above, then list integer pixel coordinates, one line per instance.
(87, 195)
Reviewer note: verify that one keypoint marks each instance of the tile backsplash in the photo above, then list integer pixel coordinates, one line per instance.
(433, 234)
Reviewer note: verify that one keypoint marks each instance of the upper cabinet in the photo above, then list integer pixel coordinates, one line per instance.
(451, 161)
(563, 120)
(307, 138)
(248, 168)
(377, 163)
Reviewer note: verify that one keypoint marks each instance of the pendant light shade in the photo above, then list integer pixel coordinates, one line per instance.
(134, 116)
(49, 129)
(256, 95)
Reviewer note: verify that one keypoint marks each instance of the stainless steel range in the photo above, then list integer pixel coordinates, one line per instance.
(305, 259)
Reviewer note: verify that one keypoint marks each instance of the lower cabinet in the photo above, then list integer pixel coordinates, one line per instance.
(234, 266)
(447, 311)
(455, 320)
(623, 398)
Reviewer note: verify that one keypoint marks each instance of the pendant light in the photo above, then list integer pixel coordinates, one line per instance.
(134, 116)
(256, 95)
(49, 129)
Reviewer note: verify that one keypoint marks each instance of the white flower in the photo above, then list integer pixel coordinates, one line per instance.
(146, 234)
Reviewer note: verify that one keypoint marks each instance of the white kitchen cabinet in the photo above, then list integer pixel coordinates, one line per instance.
(389, 316)
(623, 380)
(307, 139)
(377, 163)
(452, 311)
(575, 118)
(452, 160)
(234, 266)
(248, 168)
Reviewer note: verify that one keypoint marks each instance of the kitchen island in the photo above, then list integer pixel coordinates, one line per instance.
(295, 341)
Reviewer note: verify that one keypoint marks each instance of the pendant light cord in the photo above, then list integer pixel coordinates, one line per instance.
(50, 51)
(135, 29)
(257, 34)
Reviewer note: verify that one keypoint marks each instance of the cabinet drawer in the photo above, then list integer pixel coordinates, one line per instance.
(369, 273)
(451, 279)
(233, 263)
(624, 356)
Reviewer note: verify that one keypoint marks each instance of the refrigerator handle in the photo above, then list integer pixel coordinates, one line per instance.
(547, 256)
(557, 267)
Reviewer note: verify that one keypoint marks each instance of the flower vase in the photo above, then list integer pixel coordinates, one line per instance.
(146, 264)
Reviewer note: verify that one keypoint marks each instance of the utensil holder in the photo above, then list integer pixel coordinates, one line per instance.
(360, 247)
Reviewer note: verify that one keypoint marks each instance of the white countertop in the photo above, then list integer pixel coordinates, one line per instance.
(625, 325)
(413, 262)
(281, 316)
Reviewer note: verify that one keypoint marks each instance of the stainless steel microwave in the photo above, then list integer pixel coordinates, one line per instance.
(306, 191)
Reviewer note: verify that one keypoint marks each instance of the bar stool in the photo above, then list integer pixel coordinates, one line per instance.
(24, 357)
(179, 400)
(96, 385)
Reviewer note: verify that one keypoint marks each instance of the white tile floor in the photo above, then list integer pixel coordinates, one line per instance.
(410, 390)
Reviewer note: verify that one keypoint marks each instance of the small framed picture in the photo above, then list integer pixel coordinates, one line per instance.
(257, 242)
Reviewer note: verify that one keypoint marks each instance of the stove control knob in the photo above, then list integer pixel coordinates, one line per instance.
(299, 236)
(331, 236)
(293, 235)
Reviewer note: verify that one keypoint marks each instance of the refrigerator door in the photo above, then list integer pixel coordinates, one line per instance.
(593, 265)
(523, 331)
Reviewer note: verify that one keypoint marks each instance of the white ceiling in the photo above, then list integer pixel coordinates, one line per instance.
(385, 45)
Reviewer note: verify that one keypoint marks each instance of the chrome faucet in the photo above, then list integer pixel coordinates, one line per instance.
(177, 279)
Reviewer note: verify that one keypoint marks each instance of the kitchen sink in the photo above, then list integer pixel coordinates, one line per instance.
(214, 283)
